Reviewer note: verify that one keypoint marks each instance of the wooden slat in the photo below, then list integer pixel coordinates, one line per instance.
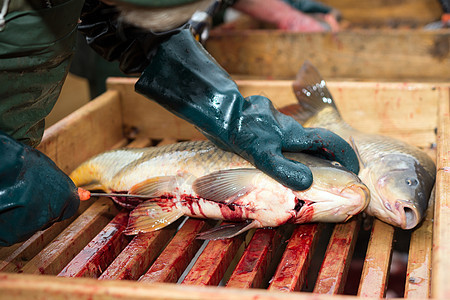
(418, 12)
(333, 273)
(376, 265)
(381, 55)
(167, 141)
(26, 287)
(93, 129)
(293, 267)
(441, 227)
(213, 262)
(101, 251)
(138, 255)
(418, 274)
(140, 142)
(24, 252)
(254, 263)
(171, 263)
(65, 246)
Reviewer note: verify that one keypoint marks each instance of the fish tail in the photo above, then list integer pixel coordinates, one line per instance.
(312, 94)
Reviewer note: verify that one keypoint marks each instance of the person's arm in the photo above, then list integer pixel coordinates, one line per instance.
(186, 80)
(283, 15)
(37, 45)
(180, 75)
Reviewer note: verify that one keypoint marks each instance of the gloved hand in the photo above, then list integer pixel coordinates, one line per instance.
(133, 47)
(187, 81)
(115, 40)
(34, 192)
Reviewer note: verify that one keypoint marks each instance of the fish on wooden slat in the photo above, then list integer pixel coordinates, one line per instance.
(199, 180)
(400, 176)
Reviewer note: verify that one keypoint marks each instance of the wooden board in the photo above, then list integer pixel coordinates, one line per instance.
(401, 110)
(378, 55)
(159, 123)
(95, 128)
(441, 225)
(370, 12)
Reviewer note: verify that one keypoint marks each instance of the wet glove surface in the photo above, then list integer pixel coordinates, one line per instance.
(186, 80)
(34, 192)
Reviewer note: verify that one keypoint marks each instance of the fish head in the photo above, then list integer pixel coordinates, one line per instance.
(400, 189)
(335, 195)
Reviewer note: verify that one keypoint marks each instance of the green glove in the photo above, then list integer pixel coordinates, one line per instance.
(186, 80)
(34, 192)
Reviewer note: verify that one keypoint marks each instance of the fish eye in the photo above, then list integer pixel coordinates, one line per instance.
(336, 164)
(411, 182)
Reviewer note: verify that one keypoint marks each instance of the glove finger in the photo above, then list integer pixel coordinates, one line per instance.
(291, 174)
(324, 143)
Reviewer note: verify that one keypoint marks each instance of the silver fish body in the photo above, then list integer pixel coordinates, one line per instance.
(400, 176)
(199, 180)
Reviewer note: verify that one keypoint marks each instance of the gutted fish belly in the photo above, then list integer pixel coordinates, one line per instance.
(197, 179)
(400, 177)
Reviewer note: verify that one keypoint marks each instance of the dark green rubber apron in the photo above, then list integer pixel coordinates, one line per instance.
(36, 47)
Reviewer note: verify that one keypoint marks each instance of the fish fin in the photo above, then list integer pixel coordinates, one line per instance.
(154, 187)
(311, 92)
(227, 231)
(149, 216)
(225, 186)
(355, 148)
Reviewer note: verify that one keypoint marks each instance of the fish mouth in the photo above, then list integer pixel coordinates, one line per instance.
(403, 214)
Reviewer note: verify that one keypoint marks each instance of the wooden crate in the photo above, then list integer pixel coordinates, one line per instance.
(378, 41)
(267, 263)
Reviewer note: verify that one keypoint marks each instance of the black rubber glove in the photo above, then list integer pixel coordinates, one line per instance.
(117, 41)
(34, 192)
(186, 80)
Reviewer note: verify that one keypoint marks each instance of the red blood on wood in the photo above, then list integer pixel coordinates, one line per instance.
(99, 253)
(171, 263)
(252, 267)
(291, 272)
(214, 261)
(139, 254)
(333, 273)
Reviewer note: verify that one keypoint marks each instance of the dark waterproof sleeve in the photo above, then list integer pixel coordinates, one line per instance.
(186, 80)
(116, 41)
(34, 192)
